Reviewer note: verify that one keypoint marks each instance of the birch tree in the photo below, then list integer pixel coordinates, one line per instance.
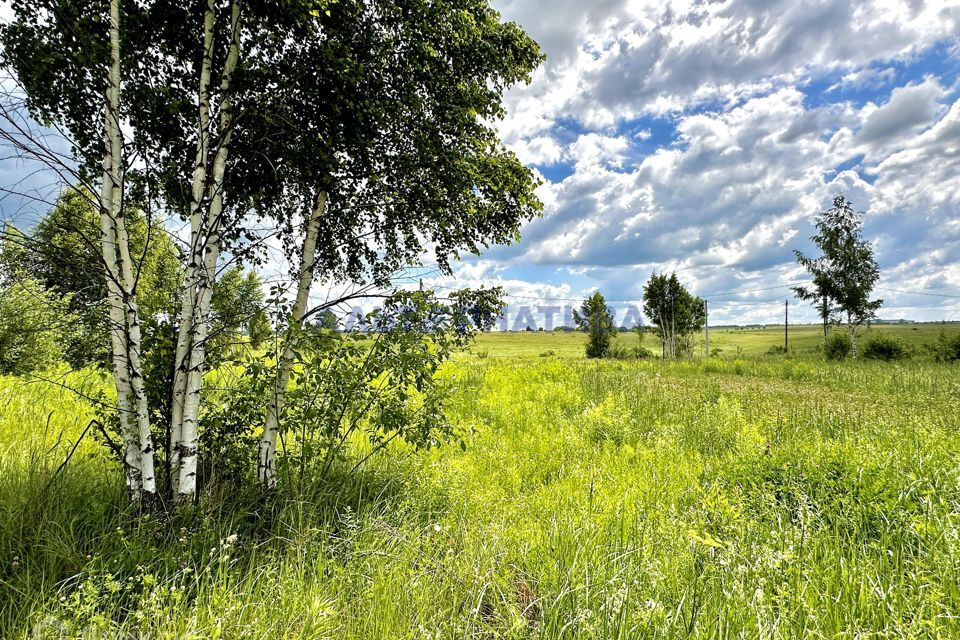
(208, 188)
(847, 271)
(31, 47)
(675, 313)
(266, 454)
(247, 110)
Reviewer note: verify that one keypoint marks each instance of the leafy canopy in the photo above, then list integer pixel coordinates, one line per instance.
(390, 107)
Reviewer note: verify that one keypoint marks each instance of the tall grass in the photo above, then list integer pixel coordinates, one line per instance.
(750, 498)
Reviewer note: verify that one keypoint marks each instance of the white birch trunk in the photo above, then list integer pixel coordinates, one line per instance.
(141, 409)
(187, 483)
(118, 342)
(267, 451)
(110, 203)
(185, 337)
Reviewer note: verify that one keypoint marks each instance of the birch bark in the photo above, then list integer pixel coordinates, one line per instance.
(110, 203)
(186, 332)
(210, 248)
(140, 406)
(267, 451)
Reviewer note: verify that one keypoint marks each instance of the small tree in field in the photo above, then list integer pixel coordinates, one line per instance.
(676, 314)
(595, 318)
(844, 276)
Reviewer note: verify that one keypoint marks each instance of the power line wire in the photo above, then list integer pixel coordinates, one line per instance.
(919, 293)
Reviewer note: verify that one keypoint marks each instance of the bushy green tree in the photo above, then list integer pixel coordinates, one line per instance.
(34, 325)
(259, 328)
(237, 301)
(595, 319)
(62, 254)
(674, 312)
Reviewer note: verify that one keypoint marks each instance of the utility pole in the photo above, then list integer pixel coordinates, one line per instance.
(786, 325)
(706, 326)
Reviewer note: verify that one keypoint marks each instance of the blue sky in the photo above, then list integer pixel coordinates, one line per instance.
(703, 138)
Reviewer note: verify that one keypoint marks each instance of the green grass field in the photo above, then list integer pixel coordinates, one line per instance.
(804, 340)
(756, 496)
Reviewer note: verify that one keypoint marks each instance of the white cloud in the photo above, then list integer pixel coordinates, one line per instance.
(868, 77)
(597, 150)
(542, 150)
(611, 60)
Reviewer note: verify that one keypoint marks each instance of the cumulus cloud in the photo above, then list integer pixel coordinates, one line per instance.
(703, 137)
(614, 60)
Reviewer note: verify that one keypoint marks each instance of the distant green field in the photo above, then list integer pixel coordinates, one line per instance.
(732, 341)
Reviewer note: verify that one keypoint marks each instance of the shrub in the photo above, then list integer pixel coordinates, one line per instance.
(946, 349)
(883, 347)
(34, 325)
(838, 346)
(621, 352)
(776, 349)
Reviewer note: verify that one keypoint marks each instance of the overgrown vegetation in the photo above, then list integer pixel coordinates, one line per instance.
(884, 347)
(594, 499)
(946, 348)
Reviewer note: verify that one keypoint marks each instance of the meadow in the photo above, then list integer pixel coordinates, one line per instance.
(750, 495)
(732, 342)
